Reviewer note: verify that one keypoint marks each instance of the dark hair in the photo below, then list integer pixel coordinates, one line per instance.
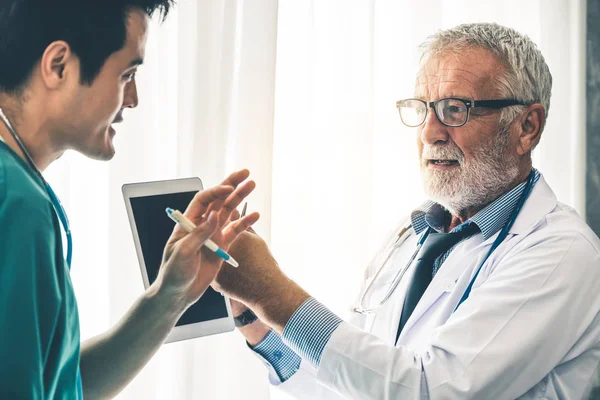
(94, 29)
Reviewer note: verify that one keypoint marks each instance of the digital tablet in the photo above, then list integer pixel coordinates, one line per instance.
(151, 227)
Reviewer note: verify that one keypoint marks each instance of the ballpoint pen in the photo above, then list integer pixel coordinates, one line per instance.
(189, 226)
(244, 210)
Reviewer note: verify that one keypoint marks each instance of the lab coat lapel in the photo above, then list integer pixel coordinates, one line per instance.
(541, 202)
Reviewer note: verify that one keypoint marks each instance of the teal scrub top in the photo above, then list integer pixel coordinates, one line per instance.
(39, 320)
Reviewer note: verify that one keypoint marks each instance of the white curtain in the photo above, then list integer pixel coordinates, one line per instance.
(302, 93)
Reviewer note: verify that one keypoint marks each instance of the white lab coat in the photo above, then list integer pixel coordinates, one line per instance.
(530, 328)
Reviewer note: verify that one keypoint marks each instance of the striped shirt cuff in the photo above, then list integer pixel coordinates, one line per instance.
(309, 329)
(283, 359)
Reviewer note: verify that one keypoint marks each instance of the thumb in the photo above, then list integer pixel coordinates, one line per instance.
(195, 239)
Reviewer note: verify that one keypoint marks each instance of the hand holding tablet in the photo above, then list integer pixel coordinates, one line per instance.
(182, 271)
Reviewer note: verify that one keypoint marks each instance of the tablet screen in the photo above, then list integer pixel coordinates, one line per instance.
(154, 228)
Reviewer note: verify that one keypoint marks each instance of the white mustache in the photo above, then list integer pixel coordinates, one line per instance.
(442, 153)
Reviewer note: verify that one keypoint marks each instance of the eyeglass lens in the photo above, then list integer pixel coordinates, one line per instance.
(451, 112)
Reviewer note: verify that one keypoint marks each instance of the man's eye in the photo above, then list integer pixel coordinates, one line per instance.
(455, 109)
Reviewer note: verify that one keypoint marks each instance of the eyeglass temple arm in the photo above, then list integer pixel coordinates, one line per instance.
(480, 103)
(497, 103)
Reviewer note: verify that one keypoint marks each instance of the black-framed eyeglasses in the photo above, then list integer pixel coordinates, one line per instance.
(452, 112)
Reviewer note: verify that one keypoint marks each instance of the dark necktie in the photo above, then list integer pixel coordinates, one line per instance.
(435, 245)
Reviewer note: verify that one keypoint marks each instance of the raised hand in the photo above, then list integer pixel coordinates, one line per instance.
(188, 268)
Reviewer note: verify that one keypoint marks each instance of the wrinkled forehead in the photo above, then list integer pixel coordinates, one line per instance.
(471, 74)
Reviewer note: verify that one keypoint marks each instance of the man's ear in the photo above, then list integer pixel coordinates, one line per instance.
(531, 126)
(58, 64)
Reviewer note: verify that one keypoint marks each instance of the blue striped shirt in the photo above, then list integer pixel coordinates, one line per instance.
(311, 326)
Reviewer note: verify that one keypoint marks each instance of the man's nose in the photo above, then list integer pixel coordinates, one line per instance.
(432, 130)
(130, 99)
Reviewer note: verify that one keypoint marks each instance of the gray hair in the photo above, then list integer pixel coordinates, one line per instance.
(527, 77)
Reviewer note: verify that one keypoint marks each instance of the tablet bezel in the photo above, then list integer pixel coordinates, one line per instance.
(132, 190)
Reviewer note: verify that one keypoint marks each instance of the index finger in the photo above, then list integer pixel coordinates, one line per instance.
(236, 178)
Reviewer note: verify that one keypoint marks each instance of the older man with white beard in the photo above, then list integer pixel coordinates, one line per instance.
(491, 289)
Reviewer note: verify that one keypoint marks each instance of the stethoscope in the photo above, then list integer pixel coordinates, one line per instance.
(60, 211)
(403, 235)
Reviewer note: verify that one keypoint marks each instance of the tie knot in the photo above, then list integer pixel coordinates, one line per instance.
(465, 230)
(437, 244)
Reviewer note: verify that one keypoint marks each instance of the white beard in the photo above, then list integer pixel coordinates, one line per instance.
(490, 172)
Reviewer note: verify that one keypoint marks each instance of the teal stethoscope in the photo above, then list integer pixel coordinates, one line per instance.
(60, 211)
(403, 235)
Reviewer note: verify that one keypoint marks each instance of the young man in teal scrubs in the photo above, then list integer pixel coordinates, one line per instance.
(67, 72)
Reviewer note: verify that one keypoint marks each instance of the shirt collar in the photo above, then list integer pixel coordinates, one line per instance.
(489, 220)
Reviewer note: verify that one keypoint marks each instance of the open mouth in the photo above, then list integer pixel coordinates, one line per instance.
(447, 163)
